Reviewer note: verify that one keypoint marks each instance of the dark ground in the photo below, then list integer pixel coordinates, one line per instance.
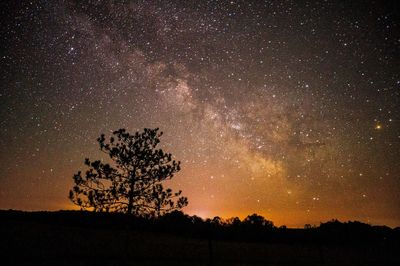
(28, 240)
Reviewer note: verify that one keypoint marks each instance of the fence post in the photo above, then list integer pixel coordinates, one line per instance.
(210, 251)
(321, 253)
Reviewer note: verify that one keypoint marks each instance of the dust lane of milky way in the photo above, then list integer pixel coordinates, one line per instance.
(285, 109)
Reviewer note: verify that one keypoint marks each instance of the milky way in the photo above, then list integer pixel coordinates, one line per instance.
(281, 108)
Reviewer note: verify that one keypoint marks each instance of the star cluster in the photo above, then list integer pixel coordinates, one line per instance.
(289, 109)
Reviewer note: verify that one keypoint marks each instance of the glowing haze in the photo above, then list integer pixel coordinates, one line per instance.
(285, 109)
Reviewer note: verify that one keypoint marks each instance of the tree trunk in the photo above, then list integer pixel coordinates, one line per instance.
(130, 202)
(130, 193)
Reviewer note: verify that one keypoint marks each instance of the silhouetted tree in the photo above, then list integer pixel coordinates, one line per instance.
(132, 183)
(217, 221)
(308, 226)
(256, 220)
(234, 221)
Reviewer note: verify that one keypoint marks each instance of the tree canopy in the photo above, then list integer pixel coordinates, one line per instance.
(132, 182)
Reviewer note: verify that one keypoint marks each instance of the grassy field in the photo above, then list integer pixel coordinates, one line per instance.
(33, 243)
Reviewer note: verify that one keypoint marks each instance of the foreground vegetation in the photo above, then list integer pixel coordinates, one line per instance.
(87, 238)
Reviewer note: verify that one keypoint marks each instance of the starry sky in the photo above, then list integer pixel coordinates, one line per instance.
(288, 109)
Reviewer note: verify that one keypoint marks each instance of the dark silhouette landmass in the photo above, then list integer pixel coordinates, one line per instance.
(93, 238)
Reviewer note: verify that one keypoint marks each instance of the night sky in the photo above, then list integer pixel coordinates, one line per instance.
(288, 109)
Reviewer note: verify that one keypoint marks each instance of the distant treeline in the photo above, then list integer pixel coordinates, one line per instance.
(253, 228)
